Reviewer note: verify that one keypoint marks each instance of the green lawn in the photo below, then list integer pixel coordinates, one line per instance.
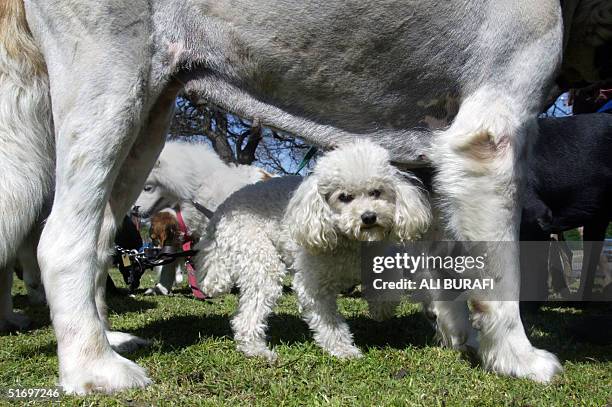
(193, 361)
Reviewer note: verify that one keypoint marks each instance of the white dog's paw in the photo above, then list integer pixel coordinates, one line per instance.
(256, 350)
(346, 352)
(123, 342)
(158, 290)
(529, 363)
(14, 322)
(106, 375)
(179, 278)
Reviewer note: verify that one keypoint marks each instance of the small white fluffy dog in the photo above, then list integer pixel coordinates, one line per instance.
(313, 227)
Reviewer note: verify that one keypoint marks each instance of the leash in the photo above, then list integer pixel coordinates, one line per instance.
(307, 157)
(187, 243)
(132, 263)
(202, 209)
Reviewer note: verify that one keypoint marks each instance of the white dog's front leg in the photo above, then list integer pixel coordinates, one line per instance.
(261, 284)
(69, 265)
(90, 154)
(318, 304)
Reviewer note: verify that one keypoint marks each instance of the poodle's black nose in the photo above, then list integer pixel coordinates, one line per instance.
(134, 211)
(368, 218)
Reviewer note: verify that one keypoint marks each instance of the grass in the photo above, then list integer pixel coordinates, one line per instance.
(193, 360)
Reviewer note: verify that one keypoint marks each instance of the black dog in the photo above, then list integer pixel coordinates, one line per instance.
(128, 237)
(569, 184)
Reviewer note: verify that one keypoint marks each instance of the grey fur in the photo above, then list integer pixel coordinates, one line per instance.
(329, 71)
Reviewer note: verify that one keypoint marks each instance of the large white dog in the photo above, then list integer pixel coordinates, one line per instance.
(27, 153)
(328, 71)
(185, 176)
(192, 173)
(314, 228)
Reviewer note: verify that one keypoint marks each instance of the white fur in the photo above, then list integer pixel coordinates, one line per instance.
(265, 229)
(480, 172)
(187, 172)
(26, 153)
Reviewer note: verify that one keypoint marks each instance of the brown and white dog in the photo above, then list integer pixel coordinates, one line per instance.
(166, 232)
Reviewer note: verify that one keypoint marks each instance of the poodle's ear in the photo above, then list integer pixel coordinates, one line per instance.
(412, 211)
(309, 218)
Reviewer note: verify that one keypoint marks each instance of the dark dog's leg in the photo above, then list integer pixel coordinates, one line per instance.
(560, 257)
(594, 234)
(534, 267)
(31, 270)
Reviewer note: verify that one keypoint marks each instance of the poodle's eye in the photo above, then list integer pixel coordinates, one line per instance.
(148, 188)
(375, 193)
(346, 198)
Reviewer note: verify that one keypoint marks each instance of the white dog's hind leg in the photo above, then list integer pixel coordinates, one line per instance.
(450, 319)
(478, 174)
(26, 140)
(213, 265)
(318, 304)
(452, 325)
(260, 280)
(130, 180)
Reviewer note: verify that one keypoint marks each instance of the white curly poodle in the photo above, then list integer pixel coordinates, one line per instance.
(312, 227)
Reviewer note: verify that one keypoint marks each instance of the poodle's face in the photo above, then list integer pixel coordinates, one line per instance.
(355, 193)
(363, 213)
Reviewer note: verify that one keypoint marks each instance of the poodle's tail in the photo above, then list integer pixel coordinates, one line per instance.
(27, 150)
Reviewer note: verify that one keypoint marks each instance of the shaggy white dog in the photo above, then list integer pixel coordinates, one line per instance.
(186, 174)
(313, 227)
(192, 172)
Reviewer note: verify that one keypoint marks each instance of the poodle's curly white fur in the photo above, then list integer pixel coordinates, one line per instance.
(312, 227)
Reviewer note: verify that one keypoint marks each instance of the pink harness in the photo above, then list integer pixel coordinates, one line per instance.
(187, 243)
